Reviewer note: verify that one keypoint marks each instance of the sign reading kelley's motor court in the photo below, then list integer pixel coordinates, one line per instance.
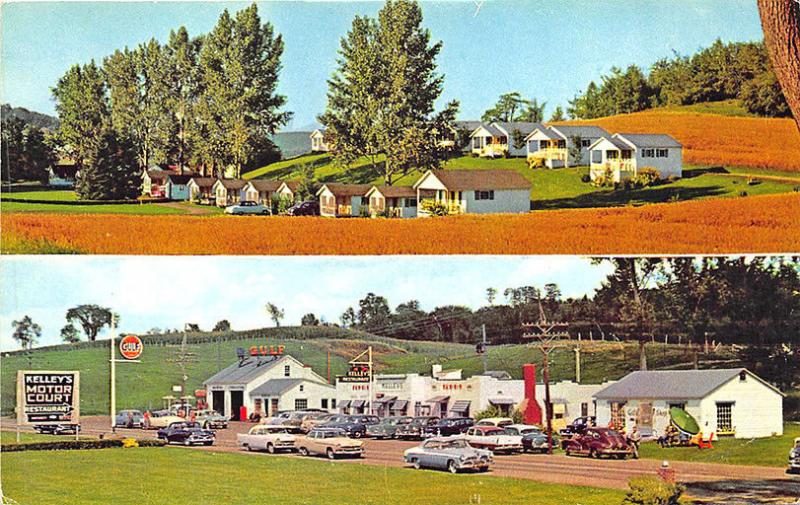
(47, 397)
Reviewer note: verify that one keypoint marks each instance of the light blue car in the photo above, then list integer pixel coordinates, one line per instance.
(451, 453)
(129, 419)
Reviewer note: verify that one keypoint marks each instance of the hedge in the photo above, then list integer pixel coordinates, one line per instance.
(83, 202)
(71, 445)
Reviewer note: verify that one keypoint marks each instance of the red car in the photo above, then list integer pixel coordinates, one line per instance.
(598, 442)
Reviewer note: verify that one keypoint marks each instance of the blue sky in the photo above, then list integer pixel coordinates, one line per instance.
(164, 292)
(548, 49)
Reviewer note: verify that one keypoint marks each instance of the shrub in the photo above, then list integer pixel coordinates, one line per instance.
(434, 208)
(586, 178)
(129, 442)
(534, 163)
(605, 179)
(645, 177)
(796, 189)
(742, 193)
(493, 411)
(71, 445)
(652, 491)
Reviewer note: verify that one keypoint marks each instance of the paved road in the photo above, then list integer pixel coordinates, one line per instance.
(715, 483)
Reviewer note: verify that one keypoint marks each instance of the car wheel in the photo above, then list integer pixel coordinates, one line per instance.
(415, 462)
(329, 452)
(357, 434)
(247, 446)
(208, 443)
(187, 443)
(302, 451)
(483, 469)
(206, 426)
(594, 454)
(451, 466)
(270, 448)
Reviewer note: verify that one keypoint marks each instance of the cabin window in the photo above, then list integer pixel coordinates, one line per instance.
(411, 202)
(742, 376)
(286, 371)
(484, 195)
(302, 388)
(680, 405)
(626, 154)
(562, 144)
(618, 415)
(300, 404)
(586, 143)
(724, 417)
(647, 153)
(333, 403)
(662, 153)
(612, 155)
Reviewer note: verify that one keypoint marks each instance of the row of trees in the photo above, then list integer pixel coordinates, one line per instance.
(722, 71)
(208, 102)
(25, 153)
(91, 319)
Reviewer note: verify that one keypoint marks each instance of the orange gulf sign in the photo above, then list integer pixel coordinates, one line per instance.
(131, 347)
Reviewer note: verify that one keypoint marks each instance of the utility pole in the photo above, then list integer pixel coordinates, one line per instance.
(113, 369)
(577, 351)
(484, 353)
(182, 358)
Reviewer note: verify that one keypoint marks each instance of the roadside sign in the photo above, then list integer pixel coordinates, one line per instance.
(356, 373)
(131, 347)
(47, 397)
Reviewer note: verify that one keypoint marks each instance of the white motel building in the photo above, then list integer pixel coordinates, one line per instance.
(267, 385)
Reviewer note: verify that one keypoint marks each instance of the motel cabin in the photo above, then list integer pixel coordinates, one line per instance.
(176, 187)
(153, 182)
(730, 402)
(392, 201)
(474, 191)
(288, 190)
(267, 384)
(261, 191)
(497, 139)
(342, 200)
(200, 189)
(622, 155)
(228, 191)
(318, 142)
(62, 174)
(554, 145)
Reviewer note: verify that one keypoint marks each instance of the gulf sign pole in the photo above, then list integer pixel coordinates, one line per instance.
(130, 347)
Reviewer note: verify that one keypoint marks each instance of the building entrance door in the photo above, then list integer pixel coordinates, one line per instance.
(237, 400)
(218, 401)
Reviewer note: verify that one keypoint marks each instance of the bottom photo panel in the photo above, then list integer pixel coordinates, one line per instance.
(400, 380)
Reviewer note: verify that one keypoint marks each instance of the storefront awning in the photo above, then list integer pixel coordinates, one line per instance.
(400, 405)
(501, 400)
(343, 405)
(438, 399)
(385, 399)
(460, 406)
(358, 403)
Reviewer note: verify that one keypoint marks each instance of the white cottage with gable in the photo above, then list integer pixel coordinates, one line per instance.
(555, 145)
(622, 155)
(474, 191)
(727, 402)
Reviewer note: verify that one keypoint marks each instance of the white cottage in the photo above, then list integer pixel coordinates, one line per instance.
(726, 402)
(622, 155)
(200, 189)
(342, 200)
(554, 145)
(268, 385)
(318, 143)
(228, 191)
(176, 187)
(261, 191)
(498, 139)
(474, 191)
(397, 201)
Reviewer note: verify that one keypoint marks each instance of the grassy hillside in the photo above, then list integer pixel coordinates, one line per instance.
(142, 385)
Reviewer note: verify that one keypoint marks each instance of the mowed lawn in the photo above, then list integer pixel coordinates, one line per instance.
(175, 476)
(773, 451)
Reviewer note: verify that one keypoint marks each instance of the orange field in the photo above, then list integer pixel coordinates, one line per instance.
(710, 139)
(763, 224)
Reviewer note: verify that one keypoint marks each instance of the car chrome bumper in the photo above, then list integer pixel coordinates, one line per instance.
(473, 464)
(349, 450)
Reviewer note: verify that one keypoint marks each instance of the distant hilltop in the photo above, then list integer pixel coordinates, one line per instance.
(30, 117)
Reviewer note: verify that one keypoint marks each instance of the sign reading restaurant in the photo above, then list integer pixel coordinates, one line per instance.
(47, 397)
(356, 373)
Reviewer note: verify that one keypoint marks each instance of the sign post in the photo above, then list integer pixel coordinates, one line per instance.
(46, 397)
(130, 347)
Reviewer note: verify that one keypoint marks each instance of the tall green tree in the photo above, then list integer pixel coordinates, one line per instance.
(514, 107)
(110, 171)
(92, 318)
(25, 154)
(239, 107)
(182, 55)
(70, 334)
(275, 313)
(558, 114)
(26, 332)
(381, 97)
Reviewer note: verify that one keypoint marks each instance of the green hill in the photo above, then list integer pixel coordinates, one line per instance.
(141, 385)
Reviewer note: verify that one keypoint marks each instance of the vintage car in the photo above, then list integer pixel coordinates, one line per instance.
(329, 442)
(387, 427)
(597, 442)
(129, 419)
(310, 208)
(352, 426)
(244, 208)
(449, 426)
(533, 438)
(794, 458)
(493, 439)
(270, 438)
(452, 454)
(499, 422)
(313, 420)
(578, 426)
(58, 429)
(211, 419)
(415, 430)
(161, 419)
(186, 433)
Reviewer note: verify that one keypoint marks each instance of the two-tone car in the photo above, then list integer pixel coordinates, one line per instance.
(329, 442)
(129, 419)
(794, 458)
(270, 438)
(211, 419)
(313, 420)
(448, 453)
(449, 426)
(186, 433)
(493, 439)
(533, 438)
(161, 419)
(416, 429)
(387, 427)
(354, 426)
(497, 422)
(598, 442)
(247, 208)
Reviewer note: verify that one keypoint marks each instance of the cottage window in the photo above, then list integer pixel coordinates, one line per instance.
(484, 195)
(662, 153)
(586, 142)
(324, 404)
(681, 405)
(286, 371)
(647, 153)
(300, 404)
(411, 202)
(562, 144)
(618, 415)
(302, 388)
(725, 417)
(333, 403)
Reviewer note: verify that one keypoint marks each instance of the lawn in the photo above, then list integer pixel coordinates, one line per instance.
(760, 452)
(119, 208)
(173, 476)
(10, 437)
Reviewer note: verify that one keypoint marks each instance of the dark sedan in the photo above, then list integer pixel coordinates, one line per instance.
(415, 430)
(450, 426)
(597, 442)
(352, 426)
(186, 433)
(387, 427)
(58, 429)
(310, 208)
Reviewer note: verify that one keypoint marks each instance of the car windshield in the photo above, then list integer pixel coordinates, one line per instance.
(495, 431)
(455, 444)
(330, 434)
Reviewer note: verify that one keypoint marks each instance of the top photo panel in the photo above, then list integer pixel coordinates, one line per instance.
(603, 127)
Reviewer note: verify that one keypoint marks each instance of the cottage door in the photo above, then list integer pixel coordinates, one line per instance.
(644, 419)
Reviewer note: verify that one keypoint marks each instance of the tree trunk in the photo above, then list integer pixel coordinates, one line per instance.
(780, 20)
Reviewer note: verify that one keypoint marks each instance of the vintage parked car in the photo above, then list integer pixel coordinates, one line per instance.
(452, 454)
(330, 442)
(533, 438)
(387, 427)
(268, 438)
(244, 208)
(211, 419)
(313, 420)
(186, 433)
(449, 426)
(129, 419)
(310, 208)
(499, 422)
(352, 426)
(493, 439)
(578, 426)
(597, 442)
(58, 429)
(415, 430)
(161, 419)
(794, 458)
